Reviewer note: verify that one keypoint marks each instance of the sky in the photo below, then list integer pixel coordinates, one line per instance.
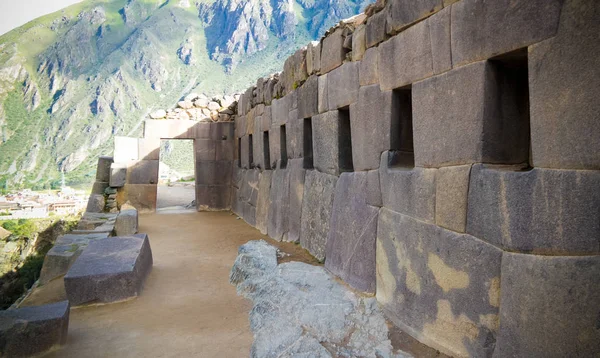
(14, 13)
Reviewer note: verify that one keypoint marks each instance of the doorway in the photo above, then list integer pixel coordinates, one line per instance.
(176, 189)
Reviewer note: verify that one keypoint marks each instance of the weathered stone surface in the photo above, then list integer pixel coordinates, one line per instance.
(439, 29)
(275, 145)
(352, 234)
(279, 206)
(127, 222)
(205, 150)
(333, 52)
(98, 187)
(297, 177)
(442, 287)
(323, 104)
(225, 150)
(213, 197)
(143, 172)
(368, 73)
(359, 43)
(126, 149)
(313, 57)
(141, 196)
(103, 169)
(459, 119)
(452, 190)
(218, 131)
(30, 331)
(317, 203)
(266, 119)
(300, 309)
(249, 188)
(213, 172)
(549, 306)
(408, 191)
(63, 254)
(540, 211)
(258, 145)
(327, 152)
(249, 214)
(95, 203)
(308, 98)
(342, 86)
(245, 152)
(149, 148)
(118, 175)
(109, 270)
(564, 83)
(406, 57)
(263, 201)
(280, 109)
(484, 28)
(373, 189)
(375, 31)
(402, 13)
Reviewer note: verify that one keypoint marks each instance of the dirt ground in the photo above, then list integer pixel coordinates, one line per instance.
(179, 194)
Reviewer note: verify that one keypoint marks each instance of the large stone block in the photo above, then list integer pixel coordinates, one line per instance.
(280, 109)
(333, 52)
(408, 191)
(317, 203)
(249, 214)
(451, 197)
(149, 148)
(109, 270)
(237, 206)
(95, 203)
(441, 287)
(323, 105)
(279, 206)
(308, 98)
(484, 28)
(549, 306)
(29, 331)
(373, 189)
(406, 57)
(275, 145)
(359, 43)
(541, 211)
(312, 63)
(240, 126)
(202, 130)
(213, 197)
(266, 119)
(330, 152)
(244, 151)
(564, 84)
(368, 74)
(375, 32)
(126, 149)
(103, 169)
(205, 150)
(127, 222)
(118, 175)
(63, 254)
(263, 201)
(403, 13)
(249, 188)
(297, 177)
(98, 187)
(258, 145)
(350, 249)
(225, 150)
(439, 29)
(463, 116)
(295, 138)
(143, 172)
(141, 196)
(342, 86)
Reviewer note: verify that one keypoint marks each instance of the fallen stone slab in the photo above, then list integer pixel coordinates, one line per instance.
(64, 253)
(33, 330)
(127, 222)
(300, 310)
(109, 270)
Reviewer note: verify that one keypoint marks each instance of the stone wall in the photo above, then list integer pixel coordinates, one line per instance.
(444, 155)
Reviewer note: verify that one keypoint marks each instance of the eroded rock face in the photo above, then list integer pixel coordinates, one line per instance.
(300, 310)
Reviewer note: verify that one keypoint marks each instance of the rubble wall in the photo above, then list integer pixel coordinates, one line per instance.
(443, 155)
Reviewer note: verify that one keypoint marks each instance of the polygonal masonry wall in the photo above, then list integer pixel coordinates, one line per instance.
(441, 154)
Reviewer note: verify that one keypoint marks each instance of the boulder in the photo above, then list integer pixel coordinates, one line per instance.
(158, 114)
(95, 203)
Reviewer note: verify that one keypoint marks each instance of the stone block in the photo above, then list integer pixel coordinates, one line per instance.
(403, 13)
(375, 32)
(342, 86)
(451, 197)
(459, 118)
(118, 175)
(95, 203)
(297, 177)
(440, 286)
(240, 126)
(279, 207)
(359, 43)
(237, 206)
(205, 150)
(545, 211)
(373, 190)
(103, 169)
(263, 202)
(406, 57)
(141, 196)
(222, 130)
(249, 188)
(249, 214)
(280, 110)
(109, 270)
(368, 74)
(250, 116)
(126, 149)
(225, 150)
(564, 84)
(149, 148)
(485, 28)
(308, 98)
(328, 153)
(258, 146)
(63, 254)
(333, 52)
(313, 57)
(275, 145)
(317, 204)
(29, 331)
(213, 172)
(439, 31)
(245, 152)
(295, 138)
(98, 187)
(127, 222)
(143, 172)
(549, 306)
(266, 119)
(213, 198)
(201, 130)
(350, 249)
(323, 104)
(408, 191)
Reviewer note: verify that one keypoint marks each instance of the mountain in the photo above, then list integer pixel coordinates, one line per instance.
(72, 80)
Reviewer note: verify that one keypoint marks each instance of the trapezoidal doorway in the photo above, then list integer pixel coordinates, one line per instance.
(176, 188)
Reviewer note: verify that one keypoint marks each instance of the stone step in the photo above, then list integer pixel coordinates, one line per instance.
(32, 330)
(109, 270)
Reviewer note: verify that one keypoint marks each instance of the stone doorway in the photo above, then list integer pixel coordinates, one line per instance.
(176, 189)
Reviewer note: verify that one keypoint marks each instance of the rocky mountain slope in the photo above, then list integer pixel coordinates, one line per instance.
(71, 80)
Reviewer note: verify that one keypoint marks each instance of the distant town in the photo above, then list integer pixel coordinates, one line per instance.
(28, 204)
